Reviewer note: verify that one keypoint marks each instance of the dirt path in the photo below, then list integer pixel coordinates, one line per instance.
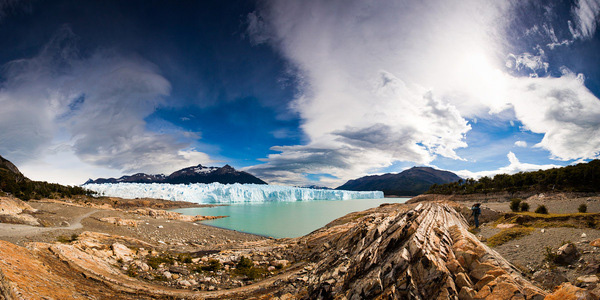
(18, 230)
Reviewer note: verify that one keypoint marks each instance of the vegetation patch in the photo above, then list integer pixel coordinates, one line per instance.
(584, 177)
(530, 219)
(245, 267)
(155, 261)
(509, 234)
(66, 240)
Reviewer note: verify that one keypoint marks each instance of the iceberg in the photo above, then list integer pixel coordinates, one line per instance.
(225, 193)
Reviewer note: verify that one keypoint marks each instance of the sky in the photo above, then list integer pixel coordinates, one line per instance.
(312, 92)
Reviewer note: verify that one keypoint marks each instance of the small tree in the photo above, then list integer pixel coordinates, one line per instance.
(582, 208)
(514, 204)
(524, 206)
(541, 209)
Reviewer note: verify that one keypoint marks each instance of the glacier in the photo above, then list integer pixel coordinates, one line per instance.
(224, 193)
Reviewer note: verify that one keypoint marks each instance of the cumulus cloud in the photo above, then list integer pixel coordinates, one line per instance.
(94, 106)
(370, 86)
(396, 80)
(522, 144)
(515, 166)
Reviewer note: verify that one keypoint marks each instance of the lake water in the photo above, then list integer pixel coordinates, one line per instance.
(284, 219)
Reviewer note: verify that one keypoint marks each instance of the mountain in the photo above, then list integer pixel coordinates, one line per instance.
(411, 182)
(8, 169)
(195, 174)
(13, 182)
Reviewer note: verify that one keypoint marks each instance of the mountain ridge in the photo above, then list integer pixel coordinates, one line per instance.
(410, 182)
(194, 174)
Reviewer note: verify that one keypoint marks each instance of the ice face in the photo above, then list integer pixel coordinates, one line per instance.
(224, 193)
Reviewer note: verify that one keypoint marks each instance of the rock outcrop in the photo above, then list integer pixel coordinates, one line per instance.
(15, 211)
(391, 252)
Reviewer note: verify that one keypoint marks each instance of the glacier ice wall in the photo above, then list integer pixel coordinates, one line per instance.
(224, 193)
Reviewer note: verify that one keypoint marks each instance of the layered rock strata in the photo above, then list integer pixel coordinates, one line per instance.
(391, 252)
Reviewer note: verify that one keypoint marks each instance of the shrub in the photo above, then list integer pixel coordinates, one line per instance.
(244, 263)
(185, 258)
(213, 265)
(507, 235)
(514, 204)
(155, 261)
(550, 256)
(582, 208)
(541, 209)
(245, 267)
(524, 206)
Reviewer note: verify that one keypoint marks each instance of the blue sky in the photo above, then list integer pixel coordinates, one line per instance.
(297, 92)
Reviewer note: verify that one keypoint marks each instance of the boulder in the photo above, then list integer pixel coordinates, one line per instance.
(587, 279)
(550, 278)
(567, 254)
(122, 252)
(595, 243)
(19, 219)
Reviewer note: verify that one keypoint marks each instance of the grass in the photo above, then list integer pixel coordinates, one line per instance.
(508, 234)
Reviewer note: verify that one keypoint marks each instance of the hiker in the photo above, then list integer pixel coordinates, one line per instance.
(475, 212)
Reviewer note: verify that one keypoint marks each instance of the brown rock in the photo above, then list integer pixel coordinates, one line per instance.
(595, 243)
(480, 271)
(466, 293)
(484, 281)
(496, 272)
(567, 291)
(504, 290)
(454, 266)
(483, 293)
(462, 280)
(122, 252)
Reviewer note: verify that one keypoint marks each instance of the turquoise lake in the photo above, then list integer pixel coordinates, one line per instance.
(284, 219)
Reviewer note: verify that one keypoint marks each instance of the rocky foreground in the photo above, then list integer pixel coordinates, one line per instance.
(419, 251)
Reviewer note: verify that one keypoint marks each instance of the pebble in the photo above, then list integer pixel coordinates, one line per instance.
(160, 226)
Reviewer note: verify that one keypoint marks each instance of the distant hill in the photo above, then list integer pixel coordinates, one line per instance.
(584, 178)
(195, 174)
(411, 182)
(13, 182)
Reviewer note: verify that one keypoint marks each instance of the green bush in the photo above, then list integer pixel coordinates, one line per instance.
(213, 265)
(582, 208)
(541, 209)
(155, 261)
(550, 255)
(245, 267)
(514, 204)
(524, 206)
(244, 263)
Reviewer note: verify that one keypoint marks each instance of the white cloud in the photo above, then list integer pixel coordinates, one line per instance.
(515, 166)
(522, 144)
(395, 81)
(96, 106)
(586, 14)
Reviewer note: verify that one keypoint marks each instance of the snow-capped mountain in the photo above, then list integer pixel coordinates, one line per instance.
(195, 174)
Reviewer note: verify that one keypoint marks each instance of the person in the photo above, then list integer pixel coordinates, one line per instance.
(475, 212)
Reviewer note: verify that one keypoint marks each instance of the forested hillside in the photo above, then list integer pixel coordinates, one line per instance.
(584, 177)
(16, 184)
